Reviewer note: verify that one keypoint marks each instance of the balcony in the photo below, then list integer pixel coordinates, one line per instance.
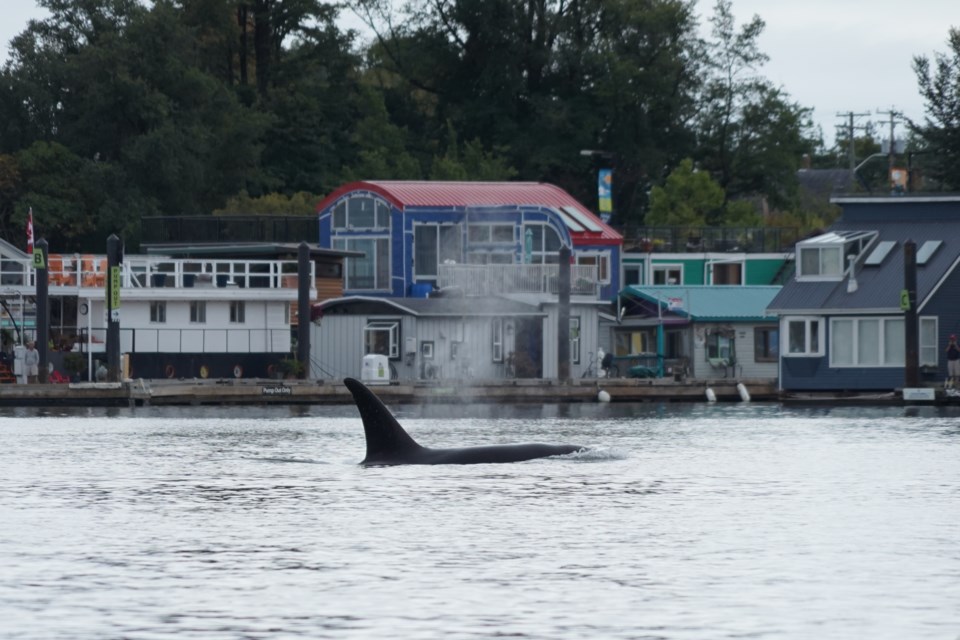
(499, 279)
(73, 272)
(158, 231)
(709, 239)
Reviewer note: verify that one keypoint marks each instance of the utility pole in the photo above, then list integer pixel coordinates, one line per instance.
(895, 117)
(850, 131)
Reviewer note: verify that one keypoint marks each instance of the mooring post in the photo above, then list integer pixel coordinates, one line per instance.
(40, 265)
(114, 258)
(303, 309)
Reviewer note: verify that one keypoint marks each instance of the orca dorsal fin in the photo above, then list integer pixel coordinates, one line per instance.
(385, 436)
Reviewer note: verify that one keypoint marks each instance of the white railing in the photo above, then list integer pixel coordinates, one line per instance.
(494, 279)
(141, 272)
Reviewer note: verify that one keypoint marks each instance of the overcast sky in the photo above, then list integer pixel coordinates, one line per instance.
(831, 55)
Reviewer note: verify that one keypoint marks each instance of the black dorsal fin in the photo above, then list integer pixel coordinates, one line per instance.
(385, 436)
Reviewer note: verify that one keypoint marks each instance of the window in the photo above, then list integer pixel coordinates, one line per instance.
(382, 337)
(825, 257)
(804, 337)
(372, 271)
(821, 261)
(726, 273)
(541, 244)
(929, 353)
(433, 245)
(632, 274)
(361, 212)
(490, 233)
(198, 311)
(633, 342)
(158, 311)
(867, 342)
(602, 262)
(766, 344)
(720, 347)
(497, 339)
(575, 339)
(668, 274)
(237, 312)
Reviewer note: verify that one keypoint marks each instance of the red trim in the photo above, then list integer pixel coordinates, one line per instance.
(405, 194)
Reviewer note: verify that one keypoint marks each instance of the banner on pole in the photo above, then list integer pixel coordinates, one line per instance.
(605, 191)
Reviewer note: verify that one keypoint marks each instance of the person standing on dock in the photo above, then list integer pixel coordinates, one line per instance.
(31, 361)
(953, 362)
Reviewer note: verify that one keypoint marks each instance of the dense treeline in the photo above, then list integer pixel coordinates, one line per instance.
(111, 110)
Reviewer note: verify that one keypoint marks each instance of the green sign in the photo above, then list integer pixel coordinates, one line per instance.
(39, 260)
(905, 300)
(114, 288)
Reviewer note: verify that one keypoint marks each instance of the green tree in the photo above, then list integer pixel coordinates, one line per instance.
(470, 163)
(939, 132)
(752, 136)
(687, 199)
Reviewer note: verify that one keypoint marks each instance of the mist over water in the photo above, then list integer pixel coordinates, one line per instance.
(684, 521)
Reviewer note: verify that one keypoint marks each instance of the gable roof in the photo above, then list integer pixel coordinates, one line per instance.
(706, 303)
(406, 194)
(878, 286)
(430, 307)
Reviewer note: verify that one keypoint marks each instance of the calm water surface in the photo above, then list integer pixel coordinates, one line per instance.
(685, 521)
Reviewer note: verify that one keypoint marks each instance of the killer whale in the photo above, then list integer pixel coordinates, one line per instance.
(389, 444)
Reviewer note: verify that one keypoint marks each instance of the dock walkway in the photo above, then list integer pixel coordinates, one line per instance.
(144, 392)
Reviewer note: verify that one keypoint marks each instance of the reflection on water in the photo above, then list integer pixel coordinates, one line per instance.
(684, 521)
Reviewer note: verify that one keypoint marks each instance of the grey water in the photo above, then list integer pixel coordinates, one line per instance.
(683, 521)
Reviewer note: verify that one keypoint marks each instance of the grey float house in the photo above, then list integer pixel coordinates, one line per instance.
(841, 323)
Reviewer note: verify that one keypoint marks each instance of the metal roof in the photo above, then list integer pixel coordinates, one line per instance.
(878, 286)
(432, 307)
(711, 303)
(404, 194)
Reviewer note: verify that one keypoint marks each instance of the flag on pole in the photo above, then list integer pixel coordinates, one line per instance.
(30, 231)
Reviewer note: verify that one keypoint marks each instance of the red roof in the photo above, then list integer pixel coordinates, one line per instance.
(403, 194)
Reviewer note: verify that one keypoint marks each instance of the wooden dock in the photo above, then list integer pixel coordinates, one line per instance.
(143, 392)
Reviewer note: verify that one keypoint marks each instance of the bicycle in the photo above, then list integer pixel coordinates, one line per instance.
(607, 368)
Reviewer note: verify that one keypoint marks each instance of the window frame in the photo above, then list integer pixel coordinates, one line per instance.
(807, 352)
(933, 347)
(575, 336)
(666, 268)
(381, 281)
(238, 312)
(766, 348)
(496, 339)
(883, 358)
(198, 311)
(158, 311)
(598, 259)
(343, 212)
(392, 327)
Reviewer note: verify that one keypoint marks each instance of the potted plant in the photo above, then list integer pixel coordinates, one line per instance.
(75, 364)
(291, 368)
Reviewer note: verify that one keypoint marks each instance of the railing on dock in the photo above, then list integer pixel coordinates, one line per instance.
(496, 279)
(142, 272)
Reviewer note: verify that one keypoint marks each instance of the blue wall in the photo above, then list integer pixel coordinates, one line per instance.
(814, 374)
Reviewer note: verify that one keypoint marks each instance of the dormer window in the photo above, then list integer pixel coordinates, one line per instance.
(826, 256)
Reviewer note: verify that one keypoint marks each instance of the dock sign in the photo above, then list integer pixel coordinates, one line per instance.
(904, 300)
(114, 289)
(39, 260)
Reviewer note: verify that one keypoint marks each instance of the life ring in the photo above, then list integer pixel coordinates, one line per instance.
(204, 372)
(237, 371)
(170, 372)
